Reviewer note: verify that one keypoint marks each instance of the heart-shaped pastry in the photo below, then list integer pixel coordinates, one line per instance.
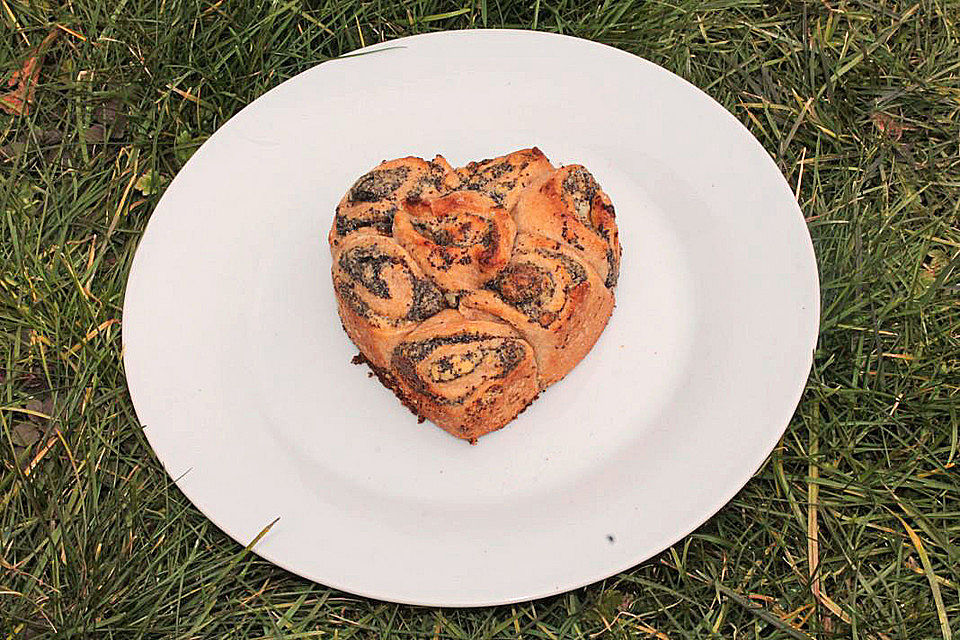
(471, 290)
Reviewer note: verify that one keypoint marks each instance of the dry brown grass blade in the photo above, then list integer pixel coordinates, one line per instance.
(26, 411)
(813, 530)
(90, 336)
(931, 578)
(27, 470)
(75, 34)
(16, 23)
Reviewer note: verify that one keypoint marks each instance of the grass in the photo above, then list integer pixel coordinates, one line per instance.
(850, 530)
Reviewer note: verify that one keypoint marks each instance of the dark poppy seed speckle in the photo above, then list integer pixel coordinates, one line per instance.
(427, 300)
(378, 184)
(365, 265)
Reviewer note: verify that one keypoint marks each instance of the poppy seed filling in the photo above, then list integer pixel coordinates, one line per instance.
(378, 184)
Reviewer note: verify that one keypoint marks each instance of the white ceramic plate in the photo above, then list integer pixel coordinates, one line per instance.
(240, 371)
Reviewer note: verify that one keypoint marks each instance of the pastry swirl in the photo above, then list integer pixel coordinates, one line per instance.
(468, 375)
(569, 206)
(382, 294)
(374, 199)
(460, 240)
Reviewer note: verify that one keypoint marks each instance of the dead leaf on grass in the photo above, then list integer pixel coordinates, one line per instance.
(23, 81)
(95, 134)
(31, 380)
(45, 138)
(34, 404)
(109, 122)
(43, 406)
(111, 114)
(25, 434)
(887, 125)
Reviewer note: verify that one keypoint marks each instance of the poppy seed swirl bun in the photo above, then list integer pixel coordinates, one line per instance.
(469, 291)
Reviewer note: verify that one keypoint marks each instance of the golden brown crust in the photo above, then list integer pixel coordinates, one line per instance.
(569, 206)
(553, 298)
(460, 240)
(468, 376)
(503, 178)
(469, 291)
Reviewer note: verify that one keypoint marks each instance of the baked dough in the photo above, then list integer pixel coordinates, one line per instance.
(471, 290)
(553, 298)
(461, 240)
(468, 375)
(568, 205)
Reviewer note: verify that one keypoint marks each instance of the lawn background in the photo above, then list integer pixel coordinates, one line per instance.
(850, 529)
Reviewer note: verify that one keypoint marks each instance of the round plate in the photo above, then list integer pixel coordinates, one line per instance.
(240, 371)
